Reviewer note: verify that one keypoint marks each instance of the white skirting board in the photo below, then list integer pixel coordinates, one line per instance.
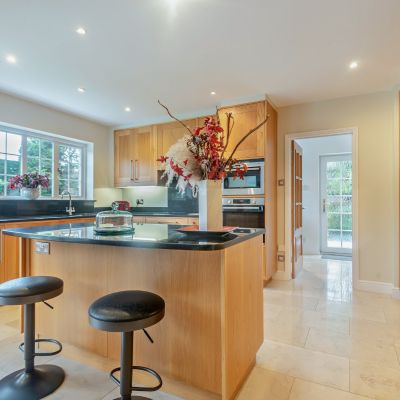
(396, 293)
(376, 287)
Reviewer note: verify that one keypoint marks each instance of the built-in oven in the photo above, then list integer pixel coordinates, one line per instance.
(243, 212)
(251, 184)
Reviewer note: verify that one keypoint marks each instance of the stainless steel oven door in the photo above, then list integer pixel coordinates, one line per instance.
(244, 217)
(252, 184)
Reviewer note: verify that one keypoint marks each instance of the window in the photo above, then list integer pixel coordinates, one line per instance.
(62, 161)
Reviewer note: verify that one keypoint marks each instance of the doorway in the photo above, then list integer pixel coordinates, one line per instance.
(336, 225)
(327, 204)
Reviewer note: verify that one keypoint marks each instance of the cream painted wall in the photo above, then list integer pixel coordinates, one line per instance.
(26, 114)
(373, 115)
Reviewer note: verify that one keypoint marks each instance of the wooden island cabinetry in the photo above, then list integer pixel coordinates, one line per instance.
(10, 245)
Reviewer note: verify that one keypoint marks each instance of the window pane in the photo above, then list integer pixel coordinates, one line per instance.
(333, 186)
(346, 169)
(32, 147)
(74, 188)
(2, 186)
(333, 221)
(333, 204)
(33, 164)
(13, 165)
(2, 166)
(332, 169)
(62, 185)
(14, 143)
(47, 192)
(346, 205)
(347, 238)
(347, 222)
(74, 171)
(334, 238)
(2, 142)
(69, 169)
(46, 167)
(46, 149)
(347, 187)
(63, 170)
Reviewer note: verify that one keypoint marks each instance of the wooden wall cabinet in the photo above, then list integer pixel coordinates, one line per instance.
(246, 117)
(135, 157)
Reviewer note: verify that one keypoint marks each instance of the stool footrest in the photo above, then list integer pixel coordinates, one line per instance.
(42, 354)
(140, 388)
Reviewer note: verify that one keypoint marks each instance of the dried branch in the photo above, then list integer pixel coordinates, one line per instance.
(173, 117)
(245, 137)
(228, 131)
(217, 115)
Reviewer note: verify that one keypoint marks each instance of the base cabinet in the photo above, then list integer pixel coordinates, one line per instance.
(10, 245)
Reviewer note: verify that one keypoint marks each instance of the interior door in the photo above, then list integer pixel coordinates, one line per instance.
(336, 204)
(297, 208)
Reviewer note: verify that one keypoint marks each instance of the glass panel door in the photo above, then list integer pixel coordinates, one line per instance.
(336, 204)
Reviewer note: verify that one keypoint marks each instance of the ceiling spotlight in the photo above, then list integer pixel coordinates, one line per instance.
(81, 90)
(213, 93)
(353, 65)
(11, 59)
(81, 31)
(127, 109)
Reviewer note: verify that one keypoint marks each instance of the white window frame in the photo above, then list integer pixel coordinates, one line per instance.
(57, 141)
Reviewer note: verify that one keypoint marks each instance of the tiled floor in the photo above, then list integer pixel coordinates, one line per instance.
(322, 342)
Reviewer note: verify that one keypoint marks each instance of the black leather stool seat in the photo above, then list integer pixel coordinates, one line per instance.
(126, 311)
(29, 290)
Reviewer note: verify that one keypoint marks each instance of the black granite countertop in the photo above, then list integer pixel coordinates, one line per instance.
(160, 236)
(26, 218)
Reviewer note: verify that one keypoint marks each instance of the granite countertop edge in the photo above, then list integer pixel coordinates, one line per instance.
(32, 233)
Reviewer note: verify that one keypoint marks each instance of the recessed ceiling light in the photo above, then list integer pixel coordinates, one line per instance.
(353, 65)
(213, 93)
(127, 109)
(81, 31)
(11, 59)
(81, 90)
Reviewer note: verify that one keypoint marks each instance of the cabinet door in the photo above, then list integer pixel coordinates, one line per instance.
(168, 134)
(2, 265)
(246, 117)
(167, 220)
(123, 157)
(144, 162)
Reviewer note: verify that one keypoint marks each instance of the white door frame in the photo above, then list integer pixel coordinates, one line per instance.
(288, 193)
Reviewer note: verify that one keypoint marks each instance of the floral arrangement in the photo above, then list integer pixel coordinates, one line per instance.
(31, 181)
(201, 153)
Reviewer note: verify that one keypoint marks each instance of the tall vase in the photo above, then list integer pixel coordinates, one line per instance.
(210, 205)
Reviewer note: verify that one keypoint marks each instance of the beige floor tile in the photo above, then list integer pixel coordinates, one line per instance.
(375, 381)
(153, 395)
(318, 319)
(303, 390)
(285, 331)
(371, 330)
(288, 300)
(369, 313)
(356, 349)
(263, 384)
(301, 363)
(272, 311)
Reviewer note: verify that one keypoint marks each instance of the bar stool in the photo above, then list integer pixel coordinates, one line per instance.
(32, 382)
(126, 312)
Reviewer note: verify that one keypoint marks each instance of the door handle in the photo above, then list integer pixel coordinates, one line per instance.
(324, 205)
(136, 170)
(132, 173)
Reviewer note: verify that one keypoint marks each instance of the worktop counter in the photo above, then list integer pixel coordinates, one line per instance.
(160, 236)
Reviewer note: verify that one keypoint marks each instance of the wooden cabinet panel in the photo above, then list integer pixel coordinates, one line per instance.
(246, 117)
(123, 157)
(144, 161)
(135, 157)
(10, 245)
(170, 133)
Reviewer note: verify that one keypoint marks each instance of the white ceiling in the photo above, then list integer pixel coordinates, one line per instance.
(138, 51)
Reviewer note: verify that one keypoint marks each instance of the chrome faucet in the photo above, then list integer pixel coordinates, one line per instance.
(70, 210)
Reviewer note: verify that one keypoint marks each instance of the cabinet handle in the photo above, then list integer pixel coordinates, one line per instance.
(136, 170)
(132, 172)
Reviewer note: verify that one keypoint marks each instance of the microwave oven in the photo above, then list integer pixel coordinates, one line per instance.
(251, 184)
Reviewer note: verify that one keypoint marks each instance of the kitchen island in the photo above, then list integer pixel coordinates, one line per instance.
(212, 286)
